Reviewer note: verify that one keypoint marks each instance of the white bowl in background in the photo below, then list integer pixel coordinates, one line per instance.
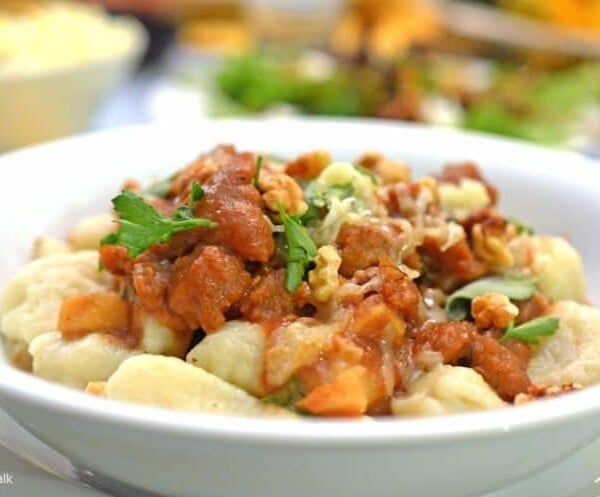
(50, 103)
(45, 188)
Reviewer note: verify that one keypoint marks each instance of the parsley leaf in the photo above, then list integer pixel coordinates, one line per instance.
(367, 172)
(141, 225)
(197, 193)
(300, 250)
(287, 397)
(258, 167)
(531, 330)
(522, 228)
(320, 197)
(458, 303)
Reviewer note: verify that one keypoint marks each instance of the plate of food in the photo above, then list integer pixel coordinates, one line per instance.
(302, 307)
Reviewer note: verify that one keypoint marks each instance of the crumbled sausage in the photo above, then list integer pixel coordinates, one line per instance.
(450, 268)
(362, 246)
(499, 367)
(399, 291)
(232, 201)
(452, 339)
(205, 286)
(268, 298)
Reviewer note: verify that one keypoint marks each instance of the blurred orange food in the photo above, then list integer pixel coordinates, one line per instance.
(157, 7)
(384, 28)
(573, 13)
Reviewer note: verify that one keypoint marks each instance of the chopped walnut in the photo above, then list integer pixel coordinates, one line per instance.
(387, 170)
(493, 310)
(309, 165)
(490, 242)
(323, 279)
(280, 189)
(544, 391)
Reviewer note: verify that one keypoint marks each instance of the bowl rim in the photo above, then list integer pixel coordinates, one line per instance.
(139, 41)
(25, 389)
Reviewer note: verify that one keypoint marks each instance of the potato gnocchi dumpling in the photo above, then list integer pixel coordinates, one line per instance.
(556, 264)
(77, 362)
(572, 354)
(234, 354)
(172, 383)
(49, 246)
(89, 231)
(259, 286)
(159, 339)
(444, 390)
(32, 300)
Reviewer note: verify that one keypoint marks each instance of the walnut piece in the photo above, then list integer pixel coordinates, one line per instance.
(323, 279)
(493, 310)
(490, 242)
(280, 189)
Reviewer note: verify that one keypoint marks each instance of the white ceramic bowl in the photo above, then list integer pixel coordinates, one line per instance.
(44, 189)
(52, 103)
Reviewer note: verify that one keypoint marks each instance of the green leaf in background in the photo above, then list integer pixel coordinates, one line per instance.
(530, 331)
(257, 81)
(459, 303)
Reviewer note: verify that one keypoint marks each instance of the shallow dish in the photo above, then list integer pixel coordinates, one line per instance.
(184, 455)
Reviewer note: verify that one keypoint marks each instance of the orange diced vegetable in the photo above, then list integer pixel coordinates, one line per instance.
(344, 396)
(373, 319)
(97, 388)
(99, 312)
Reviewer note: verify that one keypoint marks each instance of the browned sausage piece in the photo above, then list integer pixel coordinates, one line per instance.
(499, 367)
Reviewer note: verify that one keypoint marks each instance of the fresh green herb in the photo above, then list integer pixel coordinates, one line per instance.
(367, 172)
(197, 193)
(458, 304)
(259, 163)
(141, 225)
(312, 214)
(160, 188)
(522, 228)
(531, 330)
(321, 197)
(300, 250)
(287, 397)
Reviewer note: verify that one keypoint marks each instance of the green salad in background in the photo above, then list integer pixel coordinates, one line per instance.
(544, 106)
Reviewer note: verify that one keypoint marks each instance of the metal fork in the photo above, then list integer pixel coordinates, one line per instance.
(25, 446)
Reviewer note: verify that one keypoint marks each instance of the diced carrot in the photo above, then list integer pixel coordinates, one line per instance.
(97, 388)
(344, 396)
(98, 312)
(373, 318)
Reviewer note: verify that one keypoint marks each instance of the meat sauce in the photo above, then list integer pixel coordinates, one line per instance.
(204, 277)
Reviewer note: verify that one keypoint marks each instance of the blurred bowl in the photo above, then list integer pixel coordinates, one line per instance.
(39, 106)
